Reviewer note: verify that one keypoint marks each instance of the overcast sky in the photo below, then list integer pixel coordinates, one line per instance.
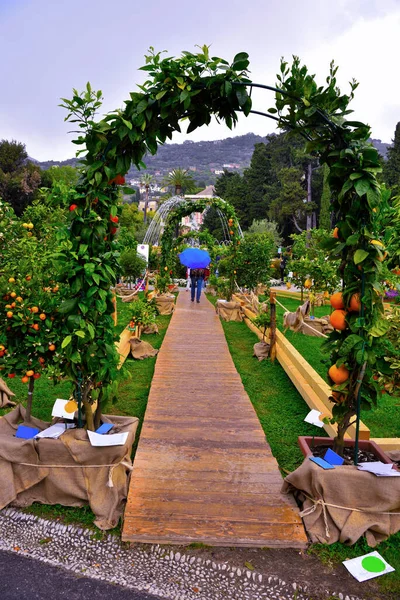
(48, 47)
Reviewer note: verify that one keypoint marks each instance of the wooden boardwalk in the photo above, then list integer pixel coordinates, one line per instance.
(203, 470)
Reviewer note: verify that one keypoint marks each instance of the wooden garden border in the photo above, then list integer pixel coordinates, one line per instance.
(314, 390)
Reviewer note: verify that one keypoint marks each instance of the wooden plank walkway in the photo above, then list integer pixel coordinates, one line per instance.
(203, 470)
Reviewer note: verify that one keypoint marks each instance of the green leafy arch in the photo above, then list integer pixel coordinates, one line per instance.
(195, 87)
(187, 208)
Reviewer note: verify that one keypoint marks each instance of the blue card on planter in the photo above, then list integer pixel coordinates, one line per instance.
(332, 458)
(105, 428)
(26, 433)
(321, 462)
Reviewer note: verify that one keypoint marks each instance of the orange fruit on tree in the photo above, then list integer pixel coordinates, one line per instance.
(337, 300)
(41, 360)
(11, 280)
(24, 379)
(9, 314)
(338, 319)
(35, 326)
(339, 374)
(13, 305)
(307, 283)
(13, 295)
(52, 347)
(30, 373)
(42, 316)
(34, 309)
(28, 278)
(336, 233)
(19, 299)
(36, 376)
(355, 303)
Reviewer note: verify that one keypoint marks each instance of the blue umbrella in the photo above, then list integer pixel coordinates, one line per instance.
(195, 258)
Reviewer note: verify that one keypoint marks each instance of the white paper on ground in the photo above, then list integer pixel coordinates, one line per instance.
(59, 409)
(368, 566)
(54, 431)
(313, 418)
(115, 439)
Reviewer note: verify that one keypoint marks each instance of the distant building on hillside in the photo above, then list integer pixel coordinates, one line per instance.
(195, 220)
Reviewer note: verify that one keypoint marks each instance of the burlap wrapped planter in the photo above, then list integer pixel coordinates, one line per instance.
(229, 311)
(316, 326)
(67, 470)
(344, 504)
(165, 304)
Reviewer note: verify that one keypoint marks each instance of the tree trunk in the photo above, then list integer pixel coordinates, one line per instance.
(338, 442)
(272, 339)
(146, 203)
(28, 413)
(178, 189)
(88, 415)
(309, 196)
(97, 414)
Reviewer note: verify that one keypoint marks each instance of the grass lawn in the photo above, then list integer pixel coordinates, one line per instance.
(132, 401)
(384, 420)
(281, 411)
(278, 404)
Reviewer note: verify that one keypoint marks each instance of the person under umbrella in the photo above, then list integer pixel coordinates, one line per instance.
(197, 260)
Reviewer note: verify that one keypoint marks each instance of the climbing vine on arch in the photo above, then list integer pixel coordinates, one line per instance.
(195, 87)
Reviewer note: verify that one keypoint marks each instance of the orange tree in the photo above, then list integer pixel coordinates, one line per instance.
(310, 261)
(29, 297)
(319, 114)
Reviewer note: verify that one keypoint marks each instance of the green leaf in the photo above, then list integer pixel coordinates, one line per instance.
(68, 305)
(380, 328)
(141, 107)
(359, 256)
(66, 341)
(240, 56)
(161, 94)
(362, 186)
(96, 278)
(241, 95)
(91, 330)
(80, 334)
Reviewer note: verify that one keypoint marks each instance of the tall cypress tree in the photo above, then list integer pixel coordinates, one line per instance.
(256, 178)
(391, 171)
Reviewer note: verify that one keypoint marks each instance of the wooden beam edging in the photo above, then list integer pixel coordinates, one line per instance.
(314, 390)
(387, 443)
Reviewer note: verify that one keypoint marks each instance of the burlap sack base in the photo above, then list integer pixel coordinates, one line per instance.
(320, 325)
(261, 350)
(350, 488)
(141, 349)
(76, 483)
(165, 304)
(149, 329)
(229, 311)
(5, 395)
